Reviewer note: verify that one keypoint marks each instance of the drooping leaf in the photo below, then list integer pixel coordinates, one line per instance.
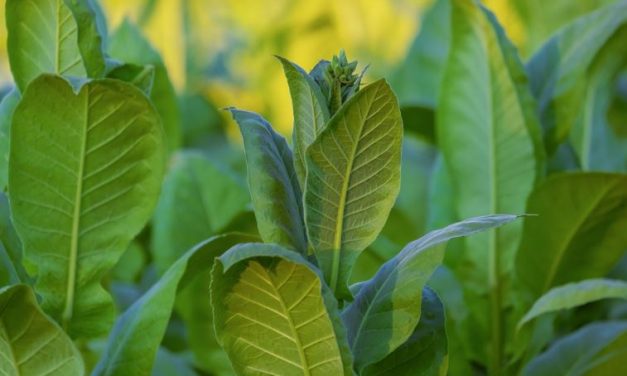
(42, 38)
(488, 134)
(386, 311)
(353, 178)
(90, 34)
(311, 113)
(7, 107)
(425, 352)
(135, 339)
(578, 233)
(142, 76)
(273, 184)
(273, 314)
(597, 349)
(575, 294)
(198, 200)
(30, 342)
(558, 71)
(84, 174)
(129, 45)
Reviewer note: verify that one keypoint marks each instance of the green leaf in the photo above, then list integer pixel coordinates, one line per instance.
(167, 364)
(7, 107)
(274, 315)
(30, 342)
(129, 45)
(595, 350)
(135, 339)
(578, 233)
(142, 76)
(353, 179)
(198, 200)
(90, 35)
(385, 311)
(274, 188)
(11, 246)
(488, 134)
(425, 352)
(575, 294)
(42, 38)
(311, 113)
(559, 70)
(84, 175)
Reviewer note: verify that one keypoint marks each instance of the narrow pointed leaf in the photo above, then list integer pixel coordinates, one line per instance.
(595, 350)
(42, 38)
(353, 179)
(386, 309)
(84, 175)
(578, 233)
(134, 341)
(425, 352)
(274, 315)
(30, 342)
(274, 188)
(310, 112)
(575, 294)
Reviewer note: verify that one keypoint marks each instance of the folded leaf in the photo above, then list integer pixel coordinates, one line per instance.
(84, 174)
(134, 341)
(558, 71)
(7, 107)
(353, 178)
(386, 309)
(30, 342)
(273, 184)
(42, 38)
(274, 315)
(574, 295)
(90, 35)
(425, 352)
(310, 112)
(578, 233)
(595, 350)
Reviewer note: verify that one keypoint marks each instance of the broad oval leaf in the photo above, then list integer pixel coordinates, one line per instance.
(425, 352)
(575, 294)
(353, 179)
(274, 315)
(488, 134)
(42, 38)
(198, 200)
(386, 309)
(558, 71)
(274, 188)
(595, 350)
(30, 342)
(84, 175)
(134, 341)
(578, 233)
(310, 112)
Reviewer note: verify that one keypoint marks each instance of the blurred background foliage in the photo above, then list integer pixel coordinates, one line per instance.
(223, 49)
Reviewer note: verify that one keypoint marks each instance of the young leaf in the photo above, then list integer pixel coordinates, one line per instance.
(90, 35)
(198, 200)
(30, 342)
(386, 309)
(42, 38)
(274, 315)
(135, 339)
(84, 174)
(558, 71)
(311, 113)
(425, 352)
(353, 178)
(7, 107)
(575, 294)
(578, 233)
(274, 188)
(142, 76)
(129, 45)
(596, 349)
